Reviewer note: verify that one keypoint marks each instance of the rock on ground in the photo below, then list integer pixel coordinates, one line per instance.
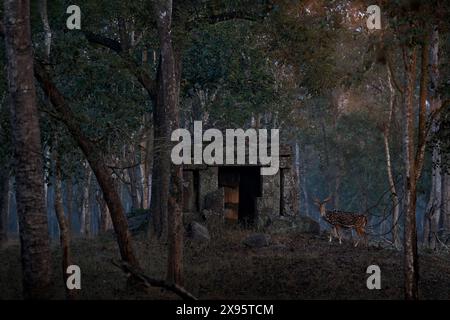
(257, 240)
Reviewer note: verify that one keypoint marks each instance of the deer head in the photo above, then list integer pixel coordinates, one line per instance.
(321, 204)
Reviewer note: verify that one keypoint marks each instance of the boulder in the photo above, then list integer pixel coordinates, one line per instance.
(257, 240)
(197, 231)
(301, 224)
(307, 225)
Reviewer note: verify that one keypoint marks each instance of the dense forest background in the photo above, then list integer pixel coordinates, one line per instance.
(365, 111)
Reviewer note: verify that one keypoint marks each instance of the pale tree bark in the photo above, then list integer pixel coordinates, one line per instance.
(387, 150)
(48, 43)
(47, 30)
(31, 209)
(145, 167)
(433, 211)
(170, 95)
(146, 145)
(64, 231)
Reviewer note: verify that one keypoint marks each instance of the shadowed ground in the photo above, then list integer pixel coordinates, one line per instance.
(294, 266)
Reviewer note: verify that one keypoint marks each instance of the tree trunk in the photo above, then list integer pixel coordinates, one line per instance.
(105, 223)
(64, 231)
(435, 201)
(410, 247)
(103, 173)
(170, 95)
(85, 219)
(31, 209)
(414, 162)
(69, 203)
(47, 31)
(387, 150)
(146, 156)
(4, 204)
(161, 163)
(134, 181)
(446, 200)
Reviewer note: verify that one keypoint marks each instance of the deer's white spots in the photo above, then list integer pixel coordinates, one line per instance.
(74, 20)
(374, 281)
(374, 17)
(74, 280)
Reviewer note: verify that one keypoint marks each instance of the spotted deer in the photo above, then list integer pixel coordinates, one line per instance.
(343, 220)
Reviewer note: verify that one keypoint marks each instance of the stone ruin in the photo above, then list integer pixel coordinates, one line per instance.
(240, 194)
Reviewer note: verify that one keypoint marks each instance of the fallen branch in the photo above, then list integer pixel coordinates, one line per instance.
(149, 282)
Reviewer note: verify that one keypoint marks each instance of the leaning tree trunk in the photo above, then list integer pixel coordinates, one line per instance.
(170, 95)
(28, 164)
(64, 231)
(387, 150)
(96, 160)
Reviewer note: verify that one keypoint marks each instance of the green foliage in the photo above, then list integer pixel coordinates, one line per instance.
(225, 61)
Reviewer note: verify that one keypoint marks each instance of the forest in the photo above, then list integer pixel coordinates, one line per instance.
(119, 179)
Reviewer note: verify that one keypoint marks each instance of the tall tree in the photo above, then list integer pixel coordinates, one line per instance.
(170, 86)
(30, 197)
(433, 213)
(389, 169)
(414, 157)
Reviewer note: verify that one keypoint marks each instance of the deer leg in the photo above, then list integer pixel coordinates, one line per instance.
(360, 233)
(339, 235)
(331, 234)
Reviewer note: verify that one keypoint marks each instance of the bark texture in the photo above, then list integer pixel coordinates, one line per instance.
(30, 196)
(170, 98)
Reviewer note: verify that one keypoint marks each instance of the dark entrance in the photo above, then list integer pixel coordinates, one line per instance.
(241, 187)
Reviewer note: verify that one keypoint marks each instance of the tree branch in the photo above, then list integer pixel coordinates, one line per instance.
(103, 41)
(238, 14)
(393, 77)
(150, 282)
(141, 75)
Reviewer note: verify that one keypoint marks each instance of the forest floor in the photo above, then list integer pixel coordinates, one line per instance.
(295, 266)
